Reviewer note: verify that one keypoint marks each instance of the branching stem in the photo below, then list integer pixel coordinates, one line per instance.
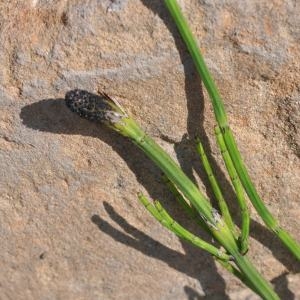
(238, 190)
(160, 214)
(221, 118)
(215, 187)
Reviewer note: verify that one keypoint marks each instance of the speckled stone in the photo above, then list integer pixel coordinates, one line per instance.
(71, 226)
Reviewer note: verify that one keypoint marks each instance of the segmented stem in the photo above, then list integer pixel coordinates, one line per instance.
(92, 107)
(236, 272)
(193, 214)
(188, 207)
(161, 215)
(243, 239)
(221, 118)
(252, 193)
(247, 272)
(165, 219)
(215, 187)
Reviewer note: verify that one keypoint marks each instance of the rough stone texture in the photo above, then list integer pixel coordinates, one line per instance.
(71, 227)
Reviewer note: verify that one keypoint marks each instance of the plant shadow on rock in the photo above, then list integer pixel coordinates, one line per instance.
(51, 115)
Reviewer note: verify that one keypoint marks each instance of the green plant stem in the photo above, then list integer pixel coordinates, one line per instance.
(188, 208)
(234, 271)
(217, 226)
(238, 190)
(259, 205)
(160, 214)
(221, 118)
(201, 67)
(104, 110)
(248, 270)
(189, 190)
(215, 187)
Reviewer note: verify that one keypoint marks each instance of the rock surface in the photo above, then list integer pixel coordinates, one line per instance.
(71, 227)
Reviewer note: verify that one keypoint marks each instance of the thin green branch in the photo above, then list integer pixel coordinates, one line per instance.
(243, 239)
(164, 218)
(252, 193)
(221, 118)
(215, 187)
(234, 271)
(161, 215)
(186, 205)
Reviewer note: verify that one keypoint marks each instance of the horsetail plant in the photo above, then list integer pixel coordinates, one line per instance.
(103, 109)
(161, 215)
(231, 242)
(215, 187)
(221, 118)
(243, 238)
